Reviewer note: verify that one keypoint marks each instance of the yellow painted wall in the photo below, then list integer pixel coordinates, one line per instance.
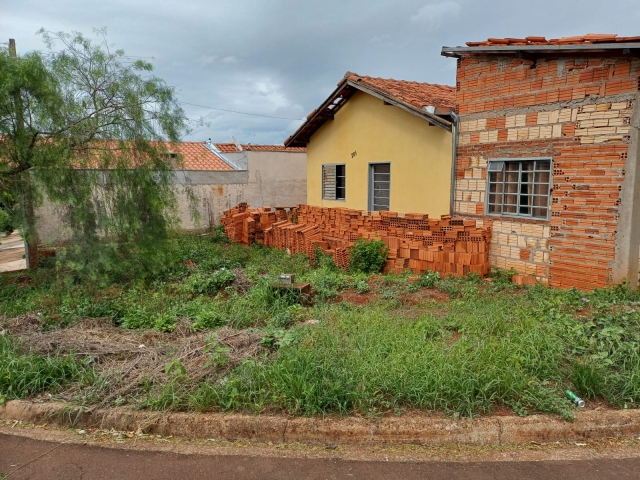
(420, 157)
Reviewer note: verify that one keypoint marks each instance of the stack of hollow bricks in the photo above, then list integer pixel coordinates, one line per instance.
(575, 111)
(449, 246)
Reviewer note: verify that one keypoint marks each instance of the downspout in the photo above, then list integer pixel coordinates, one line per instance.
(454, 159)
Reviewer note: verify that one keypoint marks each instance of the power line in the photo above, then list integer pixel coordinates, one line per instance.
(241, 113)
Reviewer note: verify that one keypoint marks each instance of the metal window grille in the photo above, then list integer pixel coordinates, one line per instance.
(519, 188)
(334, 185)
(379, 186)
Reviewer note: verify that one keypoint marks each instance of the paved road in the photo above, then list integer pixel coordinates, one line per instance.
(39, 460)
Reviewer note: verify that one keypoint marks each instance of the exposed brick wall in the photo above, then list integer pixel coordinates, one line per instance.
(576, 111)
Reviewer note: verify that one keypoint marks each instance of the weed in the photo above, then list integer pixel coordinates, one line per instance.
(218, 353)
(367, 256)
(23, 374)
(429, 279)
(202, 283)
(362, 287)
(487, 347)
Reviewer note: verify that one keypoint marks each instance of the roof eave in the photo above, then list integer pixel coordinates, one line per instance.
(628, 48)
(321, 114)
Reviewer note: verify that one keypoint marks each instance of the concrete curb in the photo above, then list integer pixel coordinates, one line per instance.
(410, 429)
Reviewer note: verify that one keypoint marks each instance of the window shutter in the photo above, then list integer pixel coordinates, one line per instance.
(329, 182)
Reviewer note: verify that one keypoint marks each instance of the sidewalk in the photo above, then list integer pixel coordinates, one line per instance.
(12, 253)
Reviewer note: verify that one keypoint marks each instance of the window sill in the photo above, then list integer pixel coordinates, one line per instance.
(505, 218)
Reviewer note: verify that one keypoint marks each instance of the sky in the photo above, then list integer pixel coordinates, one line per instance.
(282, 58)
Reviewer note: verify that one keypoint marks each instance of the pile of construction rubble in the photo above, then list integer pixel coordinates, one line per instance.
(449, 246)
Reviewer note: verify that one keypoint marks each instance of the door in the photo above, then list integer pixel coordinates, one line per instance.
(379, 186)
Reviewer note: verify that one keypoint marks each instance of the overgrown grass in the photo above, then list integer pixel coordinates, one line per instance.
(23, 374)
(490, 345)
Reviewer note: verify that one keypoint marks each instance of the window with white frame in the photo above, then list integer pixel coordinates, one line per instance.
(334, 186)
(519, 187)
(379, 186)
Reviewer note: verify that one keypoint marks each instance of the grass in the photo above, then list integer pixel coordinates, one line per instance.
(23, 374)
(490, 345)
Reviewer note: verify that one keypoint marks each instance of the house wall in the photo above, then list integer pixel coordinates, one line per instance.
(365, 131)
(578, 112)
(272, 178)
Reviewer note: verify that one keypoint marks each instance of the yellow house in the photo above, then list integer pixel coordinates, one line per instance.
(380, 144)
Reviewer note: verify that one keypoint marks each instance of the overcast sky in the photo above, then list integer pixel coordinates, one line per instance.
(283, 57)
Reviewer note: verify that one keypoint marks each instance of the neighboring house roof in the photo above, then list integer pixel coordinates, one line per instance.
(413, 97)
(591, 42)
(196, 156)
(232, 148)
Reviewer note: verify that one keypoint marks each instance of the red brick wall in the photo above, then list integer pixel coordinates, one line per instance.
(576, 111)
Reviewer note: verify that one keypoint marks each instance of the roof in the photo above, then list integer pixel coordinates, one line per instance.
(412, 97)
(418, 94)
(590, 42)
(231, 148)
(196, 156)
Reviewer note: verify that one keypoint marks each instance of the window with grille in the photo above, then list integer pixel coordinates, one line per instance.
(519, 188)
(379, 186)
(334, 182)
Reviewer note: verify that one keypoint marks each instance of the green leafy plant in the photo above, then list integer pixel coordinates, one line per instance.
(218, 353)
(6, 223)
(201, 283)
(429, 279)
(367, 256)
(362, 287)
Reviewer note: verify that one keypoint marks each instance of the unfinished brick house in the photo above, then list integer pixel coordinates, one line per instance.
(547, 150)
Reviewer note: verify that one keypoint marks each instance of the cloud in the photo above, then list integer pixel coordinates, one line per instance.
(207, 60)
(380, 38)
(284, 57)
(432, 15)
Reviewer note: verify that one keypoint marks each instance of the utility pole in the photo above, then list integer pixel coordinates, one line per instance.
(31, 237)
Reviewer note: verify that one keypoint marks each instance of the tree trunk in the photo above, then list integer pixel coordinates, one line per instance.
(30, 232)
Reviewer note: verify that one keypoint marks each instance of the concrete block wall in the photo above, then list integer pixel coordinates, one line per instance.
(577, 111)
(272, 178)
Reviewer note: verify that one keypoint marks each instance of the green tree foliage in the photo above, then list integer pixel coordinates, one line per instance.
(90, 129)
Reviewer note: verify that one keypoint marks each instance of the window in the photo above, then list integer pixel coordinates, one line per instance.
(334, 182)
(519, 188)
(379, 186)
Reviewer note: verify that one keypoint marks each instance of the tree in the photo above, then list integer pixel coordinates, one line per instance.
(89, 129)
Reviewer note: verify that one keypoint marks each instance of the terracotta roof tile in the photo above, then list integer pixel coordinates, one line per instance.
(196, 156)
(418, 94)
(587, 39)
(231, 148)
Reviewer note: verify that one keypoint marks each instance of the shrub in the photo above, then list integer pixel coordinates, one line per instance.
(367, 256)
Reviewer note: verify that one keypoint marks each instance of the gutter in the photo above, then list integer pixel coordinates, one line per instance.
(454, 160)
